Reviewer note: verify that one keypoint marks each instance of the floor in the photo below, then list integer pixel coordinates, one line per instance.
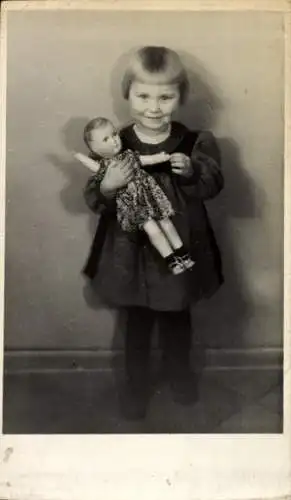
(84, 402)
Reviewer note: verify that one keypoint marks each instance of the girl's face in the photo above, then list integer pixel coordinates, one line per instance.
(105, 141)
(152, 104)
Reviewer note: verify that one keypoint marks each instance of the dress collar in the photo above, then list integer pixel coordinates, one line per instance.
(178, 132)
(146, 139)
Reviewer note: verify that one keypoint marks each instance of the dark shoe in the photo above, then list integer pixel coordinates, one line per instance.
(177, 266)
(188, 262)
(184, 387)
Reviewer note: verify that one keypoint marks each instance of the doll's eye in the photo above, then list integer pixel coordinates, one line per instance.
(105, 139)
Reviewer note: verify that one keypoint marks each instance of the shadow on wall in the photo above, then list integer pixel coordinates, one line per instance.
(77, 177)
(230, 307)
(223, 320)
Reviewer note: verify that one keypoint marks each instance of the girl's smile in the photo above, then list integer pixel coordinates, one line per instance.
(152, 105)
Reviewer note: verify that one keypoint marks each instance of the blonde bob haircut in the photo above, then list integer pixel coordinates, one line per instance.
(158, 65)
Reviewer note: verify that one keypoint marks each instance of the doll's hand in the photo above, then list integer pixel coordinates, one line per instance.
(181, 164)
(118, 174)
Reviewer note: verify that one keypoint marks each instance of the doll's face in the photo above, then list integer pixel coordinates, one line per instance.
(152, 104)
(105, 141)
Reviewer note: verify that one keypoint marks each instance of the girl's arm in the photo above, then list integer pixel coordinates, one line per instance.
(92, 192)
(94, 196)
(207, 178)
(101, 188)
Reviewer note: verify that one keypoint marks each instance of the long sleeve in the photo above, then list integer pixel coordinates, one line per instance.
(207, 179)
(95, 200)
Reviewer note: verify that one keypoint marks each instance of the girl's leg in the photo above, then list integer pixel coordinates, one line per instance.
(138, 332)
(176, 334)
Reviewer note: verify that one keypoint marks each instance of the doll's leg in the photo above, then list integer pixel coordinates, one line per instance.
(161, 244)
(157, 238)
(174, 239)
(171, 233)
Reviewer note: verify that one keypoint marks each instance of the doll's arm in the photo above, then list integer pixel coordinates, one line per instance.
(152, 159)
(207, 178)
(93, 165)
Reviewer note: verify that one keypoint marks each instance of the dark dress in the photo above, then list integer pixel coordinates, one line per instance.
(124, 268)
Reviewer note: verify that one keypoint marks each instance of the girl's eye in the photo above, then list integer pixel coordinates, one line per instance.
(166, 97)
(143, 96)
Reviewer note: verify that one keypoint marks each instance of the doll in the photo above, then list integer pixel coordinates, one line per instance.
(142, 204)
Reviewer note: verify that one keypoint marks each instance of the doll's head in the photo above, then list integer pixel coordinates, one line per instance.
(102, 138)
(155, 83)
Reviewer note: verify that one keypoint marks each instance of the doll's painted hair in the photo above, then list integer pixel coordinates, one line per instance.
(159, 65)
(94, 124)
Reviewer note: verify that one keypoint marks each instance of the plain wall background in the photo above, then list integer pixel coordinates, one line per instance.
(63, 69)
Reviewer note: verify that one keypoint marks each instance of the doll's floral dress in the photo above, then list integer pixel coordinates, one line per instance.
(142, 199)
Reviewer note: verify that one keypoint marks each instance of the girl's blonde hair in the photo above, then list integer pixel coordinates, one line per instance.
(159, 65)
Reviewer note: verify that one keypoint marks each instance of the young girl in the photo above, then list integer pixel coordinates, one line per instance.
(141, 204)
(125, 271)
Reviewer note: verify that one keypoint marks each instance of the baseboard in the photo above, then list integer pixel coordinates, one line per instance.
(66, 360)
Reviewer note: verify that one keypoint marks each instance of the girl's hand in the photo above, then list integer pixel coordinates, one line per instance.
(181, 164)
(118, 174)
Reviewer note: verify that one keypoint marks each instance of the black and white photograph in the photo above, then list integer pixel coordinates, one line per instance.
(144, 222)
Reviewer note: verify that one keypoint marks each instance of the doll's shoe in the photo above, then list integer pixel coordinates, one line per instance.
(177, 266)
(188, 262)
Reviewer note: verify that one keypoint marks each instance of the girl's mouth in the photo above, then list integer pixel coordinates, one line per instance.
(153, 117)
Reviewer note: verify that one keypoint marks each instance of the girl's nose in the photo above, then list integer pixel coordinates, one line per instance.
(154, 105)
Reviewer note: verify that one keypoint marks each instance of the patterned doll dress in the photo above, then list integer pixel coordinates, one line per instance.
(142, 199)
